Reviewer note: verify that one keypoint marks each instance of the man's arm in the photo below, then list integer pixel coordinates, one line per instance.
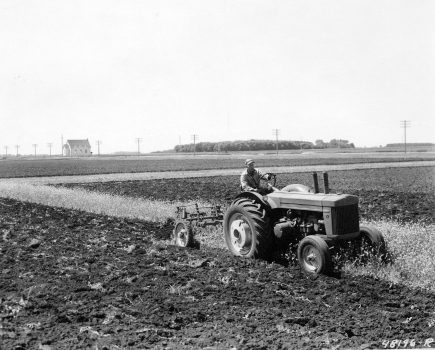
(244, 183)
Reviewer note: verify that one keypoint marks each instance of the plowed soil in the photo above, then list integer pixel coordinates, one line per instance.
(74, 280)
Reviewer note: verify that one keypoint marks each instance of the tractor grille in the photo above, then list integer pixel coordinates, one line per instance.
(345, 219)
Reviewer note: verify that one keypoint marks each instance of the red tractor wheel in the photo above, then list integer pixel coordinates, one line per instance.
(183, 234)
(314, 256)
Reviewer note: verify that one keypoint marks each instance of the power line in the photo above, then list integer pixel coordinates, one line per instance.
(49, 146)
(276, 132)
(98, 146)
(138, 140)
(405, 124)
(194, 138)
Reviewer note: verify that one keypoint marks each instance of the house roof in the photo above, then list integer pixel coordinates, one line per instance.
(78, 143)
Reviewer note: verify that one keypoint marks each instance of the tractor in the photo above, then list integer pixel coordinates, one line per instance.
(255, 225)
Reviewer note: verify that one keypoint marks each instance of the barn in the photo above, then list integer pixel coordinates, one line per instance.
(77, 148)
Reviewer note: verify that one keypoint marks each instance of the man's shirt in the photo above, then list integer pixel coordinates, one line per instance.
(251, 182)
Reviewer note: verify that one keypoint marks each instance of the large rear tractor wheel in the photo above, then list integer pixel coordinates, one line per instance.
(314, 256)
(246, 229)
(183, 234)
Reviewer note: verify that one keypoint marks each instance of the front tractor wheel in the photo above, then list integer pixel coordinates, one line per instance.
(370, 243)
(246, 229)
(183, 234)
(314, 256)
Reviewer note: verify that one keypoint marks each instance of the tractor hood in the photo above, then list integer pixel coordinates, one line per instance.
(308, 201)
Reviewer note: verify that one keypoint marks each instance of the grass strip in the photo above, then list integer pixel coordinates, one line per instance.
(412, 247)
(98, 203)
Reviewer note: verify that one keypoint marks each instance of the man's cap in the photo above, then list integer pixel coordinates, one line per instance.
(249, 161)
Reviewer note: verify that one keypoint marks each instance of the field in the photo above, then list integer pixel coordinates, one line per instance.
(107, 276)
(17, 167)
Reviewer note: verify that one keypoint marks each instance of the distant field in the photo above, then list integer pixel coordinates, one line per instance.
(16, 167)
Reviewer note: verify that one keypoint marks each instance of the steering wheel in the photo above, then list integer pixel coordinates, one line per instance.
(272, 177)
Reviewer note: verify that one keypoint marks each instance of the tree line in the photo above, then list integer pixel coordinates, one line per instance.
(260, 145)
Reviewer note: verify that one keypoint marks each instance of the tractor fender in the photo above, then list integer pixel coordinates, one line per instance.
(254, 196)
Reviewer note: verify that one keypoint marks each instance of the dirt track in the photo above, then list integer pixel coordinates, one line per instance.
(73, 280)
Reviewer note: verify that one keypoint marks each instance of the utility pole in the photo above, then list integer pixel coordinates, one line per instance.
(61, 148)
(34, 146)
(17, 146)
(49, 146)
(194, 138)
(276, 133)
(98, 145)
(405, 124)
(6, 150)
(138, 140)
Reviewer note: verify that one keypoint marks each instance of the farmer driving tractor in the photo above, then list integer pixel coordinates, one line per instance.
(250, 179)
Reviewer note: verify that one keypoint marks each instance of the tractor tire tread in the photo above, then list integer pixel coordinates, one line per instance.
(261, 226)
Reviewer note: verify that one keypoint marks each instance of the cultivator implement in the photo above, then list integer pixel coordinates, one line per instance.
(191, 217)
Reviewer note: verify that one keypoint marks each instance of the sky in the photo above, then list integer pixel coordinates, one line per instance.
(163, 71)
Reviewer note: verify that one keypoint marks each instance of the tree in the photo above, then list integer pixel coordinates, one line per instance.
(320, 144)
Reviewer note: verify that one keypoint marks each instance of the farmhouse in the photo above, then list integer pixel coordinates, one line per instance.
(77, 148)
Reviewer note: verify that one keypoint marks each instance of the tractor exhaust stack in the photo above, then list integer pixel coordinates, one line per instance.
(326, 182)
(316, 183)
